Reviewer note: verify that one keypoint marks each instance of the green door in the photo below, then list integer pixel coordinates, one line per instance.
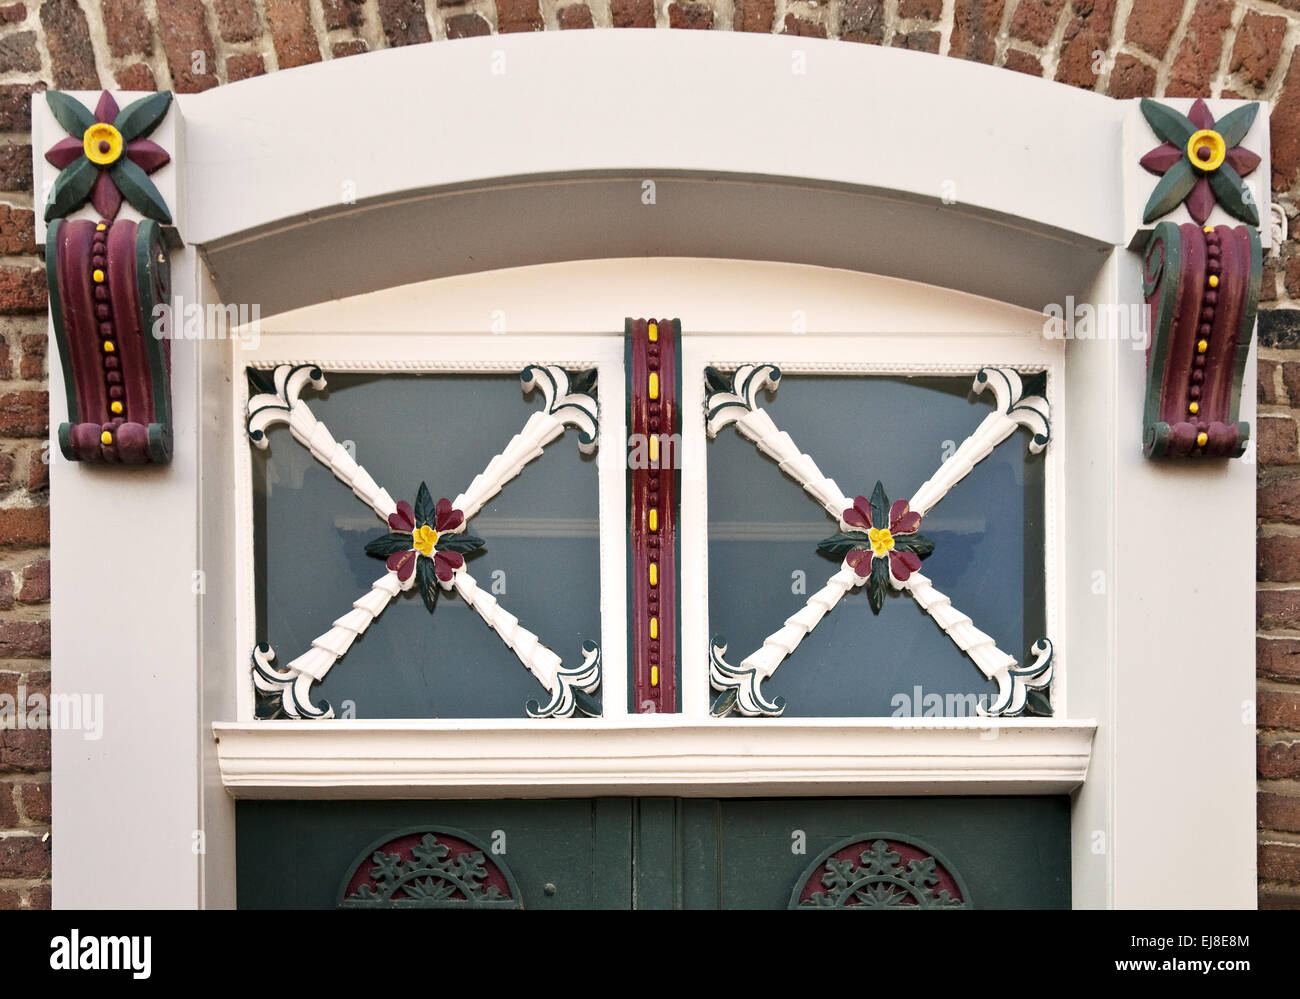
(656, 853)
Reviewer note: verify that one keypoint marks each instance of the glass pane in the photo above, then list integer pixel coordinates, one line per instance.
(541, 558)
(987, 534)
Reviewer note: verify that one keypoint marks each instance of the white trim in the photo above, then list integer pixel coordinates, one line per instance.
(584, 757)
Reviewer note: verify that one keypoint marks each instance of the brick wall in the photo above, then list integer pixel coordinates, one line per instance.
(1125, 48)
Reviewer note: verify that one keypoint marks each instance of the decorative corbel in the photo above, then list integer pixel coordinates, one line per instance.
(1200, 281)
(107, 276)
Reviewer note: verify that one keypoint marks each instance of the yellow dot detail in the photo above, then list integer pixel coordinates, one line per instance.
(654, 676)
(98, 275)
(108, 347)
(102, 143)
(654, 385)
(1202, 440)
(1214, 280)
(101, 227)
(1212, 142)
(116, 407)
(1202, 346)
(654, 449)
(654, 627)
(1209, 228)
(654, 520)
(654, 332)
(654, 574)
(1193, 408)
(106, 438)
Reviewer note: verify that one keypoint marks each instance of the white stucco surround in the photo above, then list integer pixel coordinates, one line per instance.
(930, 204)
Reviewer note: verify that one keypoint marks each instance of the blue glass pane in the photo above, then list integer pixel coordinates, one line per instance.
(987, 533)
(541, 560)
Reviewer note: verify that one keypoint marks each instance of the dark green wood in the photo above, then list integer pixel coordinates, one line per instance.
(656, 854)
(701, 843)
(1230, 191)
(71, 189)
(1170, 125)
(1173, 187)
(139, 118)
(74, 116)
(1247, 330)
(612, 853)
(139, 190)
(1234, 125)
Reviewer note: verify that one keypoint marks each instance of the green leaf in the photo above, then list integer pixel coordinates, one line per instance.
(583, 382)
(427, 581)
(878, 584)
(389, 544)
(587, 704)
(1038, 703)
(724, 703)
(1233, 195)
(74, 116)
(1168, 124)
(141, 117)
(879, 507)
(1169, 193)
(459, 543)
(1234, 125)
(71, 189)
(139, 191)
(843, 542)
(919, 544)
(716, 381)
(425, 511)
(261, 382)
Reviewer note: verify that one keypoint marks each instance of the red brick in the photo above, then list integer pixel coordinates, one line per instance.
(24, 857)
(24, 414)
(22, 290)
(1152, 23)
(8, 806)
(929, 10)
(1291, 277)
(754, 15)
(975, 29)
(12, 13)
(1023, 62)
(137, 76)
(1278, 657)
(1277, 441)
(67, 36)
(1266, 382)
(688, 15)
(1278, 499)
(6, 579)
(468, 26)
(17, 230)
(16, 106)
(1273, 708)
(1290, 379)
(917, 41)
(1131, 78)
(518, 15)
(24, 639)
(15, 167)
(32, 364)
(18, 53)
(38, 474)
(35, 588)
(1279, 862)
(238, 22)
(341, 50)
(1083, 48)
(1277, 609)
(802, 27)
(37, 681)
(862, 21)
(244, 65)
(632, 13)
(1277, 559)
(1259, 43)
(1284, 130)
(6, 477)
(11, 900)
(295, 38)
(575, 15)
(1275, 899)
(1198, 56)
(1278, 759)
(25, 527)
(1036, 22)
(1268, 281)
(190, 52)
(9, 681)
(343, 14)
(36, 801)
(39, 897)
(127, 28)
(1278, 811)
(404, 23)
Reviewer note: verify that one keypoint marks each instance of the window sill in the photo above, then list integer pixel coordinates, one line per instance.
(492, 758)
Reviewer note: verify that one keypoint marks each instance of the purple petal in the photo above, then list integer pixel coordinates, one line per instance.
(403, 563)
(1160, 159)
(65, 152)
(106, 110)
(903, 564)
(859, 561)
(1201, 201)
(859, 515)
(1200, 115)
(1242, 160)
(445, 518)
(404, 518)
(901, 518)
(445, 564)
(147, 155)
(105, 196)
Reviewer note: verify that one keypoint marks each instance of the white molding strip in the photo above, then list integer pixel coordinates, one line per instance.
(584, 757)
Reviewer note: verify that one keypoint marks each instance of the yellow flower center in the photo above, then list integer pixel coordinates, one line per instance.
(102, 143)
(1206, 149)
(425, 538)
(882, 542)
